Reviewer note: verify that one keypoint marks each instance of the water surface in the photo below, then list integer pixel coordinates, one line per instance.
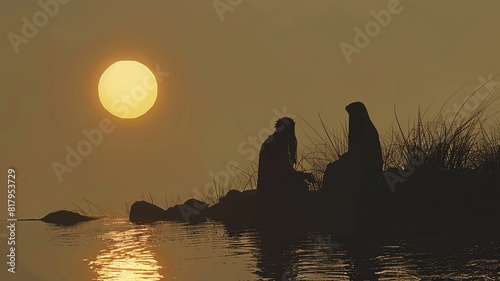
(114, 249)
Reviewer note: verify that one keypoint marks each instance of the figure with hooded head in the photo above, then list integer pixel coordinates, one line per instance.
(350, 182)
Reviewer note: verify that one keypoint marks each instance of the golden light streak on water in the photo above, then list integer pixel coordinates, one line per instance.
(127, 257)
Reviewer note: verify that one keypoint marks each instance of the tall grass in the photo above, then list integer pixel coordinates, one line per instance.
(454, 144)
(92, 209)
(102, 209)
(245, 179)
(488, 152)
(326, 146)
(468, 140)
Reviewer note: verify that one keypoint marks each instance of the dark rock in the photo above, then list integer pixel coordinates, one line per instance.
(65, 218)
(192, 211)
(144, 212)
(236, 208)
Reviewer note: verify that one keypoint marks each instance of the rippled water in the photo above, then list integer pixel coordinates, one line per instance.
(114, 249)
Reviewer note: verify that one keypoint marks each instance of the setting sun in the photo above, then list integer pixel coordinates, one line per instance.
(127, 89)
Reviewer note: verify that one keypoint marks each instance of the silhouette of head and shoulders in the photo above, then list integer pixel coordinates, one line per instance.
(278, 155)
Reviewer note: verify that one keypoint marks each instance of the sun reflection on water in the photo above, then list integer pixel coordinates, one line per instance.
(127, 257)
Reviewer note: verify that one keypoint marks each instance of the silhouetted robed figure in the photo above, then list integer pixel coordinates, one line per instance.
(279, 186)
(351, 182)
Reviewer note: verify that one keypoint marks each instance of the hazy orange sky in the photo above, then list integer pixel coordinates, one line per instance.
(229, 71)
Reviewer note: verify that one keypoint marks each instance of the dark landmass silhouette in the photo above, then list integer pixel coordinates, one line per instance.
(356, 195)
(440, 198)
(411, 211)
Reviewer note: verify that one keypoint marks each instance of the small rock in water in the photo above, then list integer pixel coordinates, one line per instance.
(145, 212)
(65, 218)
